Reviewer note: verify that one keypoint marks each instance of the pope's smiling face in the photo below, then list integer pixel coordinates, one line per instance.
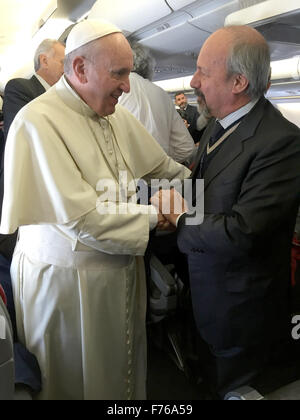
(107, 74)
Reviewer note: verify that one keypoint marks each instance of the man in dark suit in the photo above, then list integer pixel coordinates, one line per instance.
(188, 113)
(48, 66)
(239, 256)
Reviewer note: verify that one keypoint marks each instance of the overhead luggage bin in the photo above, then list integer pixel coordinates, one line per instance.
(209, 19)
(172, 35)
(267, 13)
(180, 4)
(130, 15)
(277, 20)
(180, 84)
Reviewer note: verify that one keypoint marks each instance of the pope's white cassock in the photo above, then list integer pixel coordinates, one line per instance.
(77, 273)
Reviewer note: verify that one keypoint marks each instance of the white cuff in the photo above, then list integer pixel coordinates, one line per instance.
(153, 219)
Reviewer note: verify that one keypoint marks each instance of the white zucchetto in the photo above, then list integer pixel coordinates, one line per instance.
(88, 30)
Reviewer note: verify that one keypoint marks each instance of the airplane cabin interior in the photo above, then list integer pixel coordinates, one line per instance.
(174, 31)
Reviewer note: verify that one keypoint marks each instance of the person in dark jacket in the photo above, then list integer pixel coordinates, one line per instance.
(48, 66)
(240, 255)
(189, 113)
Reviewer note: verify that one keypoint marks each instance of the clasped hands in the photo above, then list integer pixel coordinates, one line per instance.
(169, 204)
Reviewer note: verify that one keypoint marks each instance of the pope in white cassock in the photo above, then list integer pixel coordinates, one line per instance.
(77, 270)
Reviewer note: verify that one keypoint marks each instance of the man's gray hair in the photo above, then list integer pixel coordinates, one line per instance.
(44, 48)
(143, 61)
(252, 59)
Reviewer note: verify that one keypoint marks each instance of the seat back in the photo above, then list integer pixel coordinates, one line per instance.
(164, 289)
(6, 355)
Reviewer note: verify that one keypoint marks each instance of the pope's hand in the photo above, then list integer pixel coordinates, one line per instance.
(163, 223)
(170, 203)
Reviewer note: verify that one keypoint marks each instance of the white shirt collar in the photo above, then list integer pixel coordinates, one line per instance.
(234, 116)
(42, 81)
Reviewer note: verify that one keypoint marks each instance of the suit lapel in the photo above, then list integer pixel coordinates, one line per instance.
(230, 150)
(234, 144)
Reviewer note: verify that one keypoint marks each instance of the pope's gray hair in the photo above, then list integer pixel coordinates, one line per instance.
(44, 48)
(251, 59)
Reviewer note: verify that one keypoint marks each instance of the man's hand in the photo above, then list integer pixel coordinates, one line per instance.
(186, 123)
(163, 223)
(170, 204)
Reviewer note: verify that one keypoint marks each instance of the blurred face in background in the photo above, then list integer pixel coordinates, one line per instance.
(181, 100)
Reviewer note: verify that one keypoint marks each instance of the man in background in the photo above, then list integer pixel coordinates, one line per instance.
(188, 113)
(153, 107)
(48, 66)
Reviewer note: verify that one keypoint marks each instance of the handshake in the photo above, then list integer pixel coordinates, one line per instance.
(170, 205)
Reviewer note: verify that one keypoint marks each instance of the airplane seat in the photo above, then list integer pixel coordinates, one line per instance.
(165, 315)
(8, 388)
(169, 305)
(164, 289)
(295, 267)
(166, 276)
(22, 373)
(6, 355)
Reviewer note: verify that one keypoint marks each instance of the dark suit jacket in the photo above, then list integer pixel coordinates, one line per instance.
(17, 93)
(192, 114)
(239, 257)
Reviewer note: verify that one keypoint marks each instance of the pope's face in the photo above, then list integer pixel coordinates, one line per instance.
(108, 74)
